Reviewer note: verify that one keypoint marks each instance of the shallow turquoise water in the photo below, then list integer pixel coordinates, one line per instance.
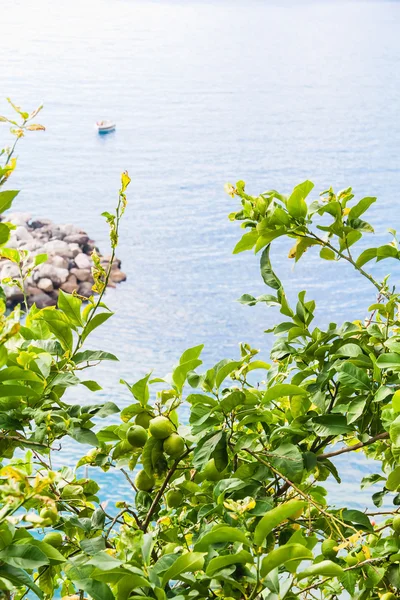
(203, 93)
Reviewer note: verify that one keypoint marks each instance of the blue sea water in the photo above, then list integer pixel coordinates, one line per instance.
(203, 92)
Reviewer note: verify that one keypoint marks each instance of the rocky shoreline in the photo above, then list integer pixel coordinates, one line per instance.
(68, 266)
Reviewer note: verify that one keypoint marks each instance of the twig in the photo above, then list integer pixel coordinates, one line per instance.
(160, 492)
(380, 436)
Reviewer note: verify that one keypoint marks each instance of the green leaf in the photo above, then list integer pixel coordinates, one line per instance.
(96, 589)
(296, 203)
(247, 242)
(326, 568)
(93, 386)
(327, 425)
(58, 325)
(93, 355)
(6, 199)
(71, 306)
(390, 360)
(393, 481)
(187, 563)
(220, 562)
(205, 448)
(220, 534)
(288, 460)
(354, 377)
(55, 557)
(19, 578)
(84, 436)
(283, 555)
(25, 556)
(360, 208)
(275, 517)
(283, 389)
(180, 373)
(366, 256)
(191, 354)
(97, 320)
(226, 370)
(267, 273)
(17, 390)
(4, 233)
(327, 254)
(357, 518)
(39, 259)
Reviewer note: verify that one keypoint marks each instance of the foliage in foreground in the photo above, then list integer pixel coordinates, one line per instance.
(232, 504)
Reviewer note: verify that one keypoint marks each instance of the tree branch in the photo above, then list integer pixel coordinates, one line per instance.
(160, 492)
(380, 436)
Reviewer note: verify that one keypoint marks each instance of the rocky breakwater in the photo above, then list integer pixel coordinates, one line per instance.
(68, 266)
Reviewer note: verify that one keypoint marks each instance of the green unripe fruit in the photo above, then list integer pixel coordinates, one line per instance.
(174, 498)
(136, 436)
(169, 548)
(388, 596)
(351, 560)
(161, 428)
(396, 523)
(270, 542)
(372, 540)
(174, 445)
(54, 539)
(210, 472)
(328, 548)
(49, 515)
(143, 482)
(143, 419)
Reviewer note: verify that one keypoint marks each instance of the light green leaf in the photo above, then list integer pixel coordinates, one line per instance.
(71, 306)
(220, 562)
(275, 517)
(6, 199)
(296, 203)
(326, 568)
(366, 256)
(390, 360)
(247, 242)
(354, 377)
(283, 389)
(97, 320)
(393, 481)
(283, 555)
(219, 534)
(187, 563)
(25, 556)
(327, 254)
(360, 208)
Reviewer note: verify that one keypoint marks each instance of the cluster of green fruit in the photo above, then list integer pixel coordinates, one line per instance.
(160, 428)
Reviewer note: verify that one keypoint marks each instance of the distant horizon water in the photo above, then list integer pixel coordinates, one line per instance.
(203, 93)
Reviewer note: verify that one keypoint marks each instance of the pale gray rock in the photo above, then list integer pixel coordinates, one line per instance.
(75, 249)
(43, 300)
(82, 274)
(117, 276)
(85, 289)
(59, 261)
(45, 284)
(23, 234)
(57, 247)
(77, 238)
(82, 261)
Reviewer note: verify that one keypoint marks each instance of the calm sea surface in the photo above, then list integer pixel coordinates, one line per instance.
(203, 93)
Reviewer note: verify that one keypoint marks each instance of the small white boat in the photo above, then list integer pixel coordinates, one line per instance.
(105, 126)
